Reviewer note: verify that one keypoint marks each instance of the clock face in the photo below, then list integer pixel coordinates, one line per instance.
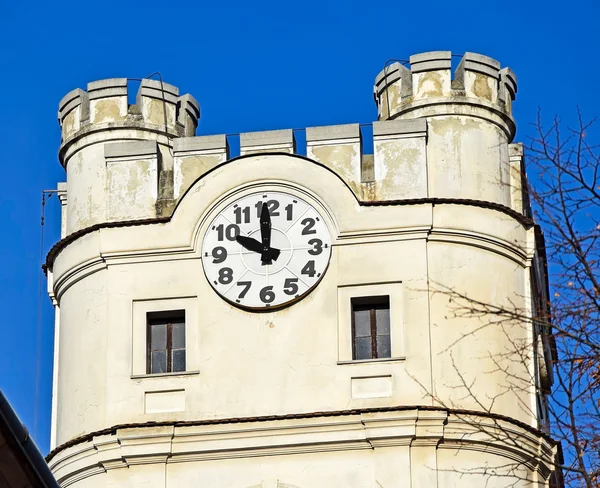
(265, 250)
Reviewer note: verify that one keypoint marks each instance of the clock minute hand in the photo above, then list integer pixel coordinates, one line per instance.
(265, 233)
(268, 254)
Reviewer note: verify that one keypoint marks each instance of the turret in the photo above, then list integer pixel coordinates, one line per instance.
(469, 122)
(110, 176)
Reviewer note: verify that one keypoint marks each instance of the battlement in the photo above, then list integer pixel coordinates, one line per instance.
(426, 88)
(436, 137)
(158, 107)
(407, 161)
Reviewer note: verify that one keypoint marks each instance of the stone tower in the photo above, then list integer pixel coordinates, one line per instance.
(281, 320)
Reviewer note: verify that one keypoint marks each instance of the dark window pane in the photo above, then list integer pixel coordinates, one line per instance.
(178, 361)
(362, 323)
(178, 336)
(383, 346)
(382, 317)
(363, 348)
(159, 362)
(159, 337)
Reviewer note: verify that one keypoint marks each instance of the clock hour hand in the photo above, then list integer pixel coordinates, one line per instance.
(271, 254)
(250, 244)
(257, 247)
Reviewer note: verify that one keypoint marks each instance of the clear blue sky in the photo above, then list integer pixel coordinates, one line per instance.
(252, 65)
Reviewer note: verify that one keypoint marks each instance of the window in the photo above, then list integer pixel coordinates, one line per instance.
(379, 296)
(165, 342)
(371, 327)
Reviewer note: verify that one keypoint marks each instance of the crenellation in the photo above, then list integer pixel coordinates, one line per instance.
(70, 101)
(478, 63)
(73, 111)
(400, 159)
(158, 103)
(431, 74)
(390, 74)
(431, 61)
(478, 76)
(108, 100)
(517, 187)
(131, 180)
(426, 119)
(268, 141)
(157, 90)
(188, 114)
(111, 87)
(400, 128)
(392, 85)
(509, 79)
(191, 146)
(508, 88)
(194, 157)
(339, 147)
(478, 81)
(332, 134)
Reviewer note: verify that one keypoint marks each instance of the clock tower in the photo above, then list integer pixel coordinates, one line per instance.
(298, 316)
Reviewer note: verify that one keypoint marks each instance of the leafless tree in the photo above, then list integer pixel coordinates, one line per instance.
(563, 166)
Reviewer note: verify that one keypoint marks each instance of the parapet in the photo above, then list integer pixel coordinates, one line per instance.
(158, 107)
(425, 89)
(436, 138)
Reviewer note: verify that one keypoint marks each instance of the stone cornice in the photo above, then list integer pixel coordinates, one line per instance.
(63, 243)
(154, 442)
(98, 262)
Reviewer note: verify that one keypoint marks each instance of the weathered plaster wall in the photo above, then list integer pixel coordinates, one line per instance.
(276, 363)
(83, 383)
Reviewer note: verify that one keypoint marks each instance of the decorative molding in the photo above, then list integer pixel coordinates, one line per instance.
(416, 427)
(482, 241)
(458, 236)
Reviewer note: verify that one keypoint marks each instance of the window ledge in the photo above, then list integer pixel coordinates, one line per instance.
(162, 375)
(366, 361)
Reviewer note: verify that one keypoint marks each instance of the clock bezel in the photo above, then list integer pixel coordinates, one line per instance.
(266, 186)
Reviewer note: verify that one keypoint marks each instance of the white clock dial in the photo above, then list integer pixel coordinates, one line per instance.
(262, 258)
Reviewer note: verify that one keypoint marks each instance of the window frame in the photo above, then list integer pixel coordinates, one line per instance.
(371, 303)
(168, 318)
(398, 317)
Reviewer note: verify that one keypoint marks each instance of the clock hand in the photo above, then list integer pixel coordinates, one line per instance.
(265, 234)
(255, 246)
(249, 243)
(272, 254)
